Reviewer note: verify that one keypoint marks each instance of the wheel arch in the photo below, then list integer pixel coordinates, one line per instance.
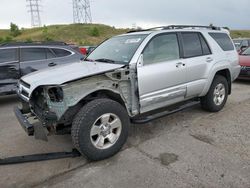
(225, 72)
(103, 93)
(97, 94)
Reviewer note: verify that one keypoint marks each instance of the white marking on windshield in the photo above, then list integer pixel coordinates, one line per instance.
(131, 41)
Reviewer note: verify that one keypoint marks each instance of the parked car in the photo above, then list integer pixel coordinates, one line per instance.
(86, 50)
(19, 59)
(130, 78)
(245, 64)
(241, 44)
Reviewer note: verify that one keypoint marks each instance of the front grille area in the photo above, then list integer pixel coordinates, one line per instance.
(245, 68)
(245, 71)
(25, 84)
(25, 93)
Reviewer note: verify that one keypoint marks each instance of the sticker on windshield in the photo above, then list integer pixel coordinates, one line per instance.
(130, 41)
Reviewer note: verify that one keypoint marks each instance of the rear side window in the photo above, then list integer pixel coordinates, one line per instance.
(50, 54)
(223, 41)
(205, 48)
(33, 54)
(61, 52)
(191, 45)
(8, 55)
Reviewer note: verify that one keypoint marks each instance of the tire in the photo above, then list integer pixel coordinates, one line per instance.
(92, 128)
(214, 102)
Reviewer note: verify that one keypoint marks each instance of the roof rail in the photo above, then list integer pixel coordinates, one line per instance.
(169, 27)
(33, 43)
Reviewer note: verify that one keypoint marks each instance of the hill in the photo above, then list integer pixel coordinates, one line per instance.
(81, 34)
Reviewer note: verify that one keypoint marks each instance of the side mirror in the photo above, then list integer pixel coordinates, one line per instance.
(140, 61)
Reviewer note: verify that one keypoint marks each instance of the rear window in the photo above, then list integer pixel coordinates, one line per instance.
(61, 52)
(8, 55)
(205, 48)
(223, 41)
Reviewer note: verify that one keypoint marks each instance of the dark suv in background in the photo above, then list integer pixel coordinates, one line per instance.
(19, 59)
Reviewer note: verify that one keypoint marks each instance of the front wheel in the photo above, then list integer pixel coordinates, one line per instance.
(217, 95)
(100, 129)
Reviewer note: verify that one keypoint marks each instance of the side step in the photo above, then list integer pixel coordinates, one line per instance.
(146, 119)
(39, 157)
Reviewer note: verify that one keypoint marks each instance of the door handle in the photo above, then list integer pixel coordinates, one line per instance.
(12, 69)
(180, 64)
(209, 59)
(52, 64)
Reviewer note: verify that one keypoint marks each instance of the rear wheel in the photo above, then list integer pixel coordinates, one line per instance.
(100, 129)
(217, 95)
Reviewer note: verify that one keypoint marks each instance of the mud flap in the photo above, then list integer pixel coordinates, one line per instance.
(40, 133)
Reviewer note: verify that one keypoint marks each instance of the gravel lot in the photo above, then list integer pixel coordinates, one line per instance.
(192, 148)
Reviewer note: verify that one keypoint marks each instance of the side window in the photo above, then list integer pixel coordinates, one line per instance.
(223, 41)
(8, 55)
(33, 54)
(49, 54)
(61, 52)
(161, 48)
(191, 45)
(205, 48)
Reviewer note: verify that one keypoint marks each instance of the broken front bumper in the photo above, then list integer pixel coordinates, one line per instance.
(23, 120)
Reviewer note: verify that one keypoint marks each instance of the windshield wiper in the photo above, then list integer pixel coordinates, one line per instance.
(105, 60)
(91, 60)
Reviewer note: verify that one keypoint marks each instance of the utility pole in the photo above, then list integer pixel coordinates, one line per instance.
(34, 9)
(81, 11)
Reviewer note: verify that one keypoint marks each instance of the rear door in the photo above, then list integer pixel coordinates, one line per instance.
(162, 75)
(197, 57)
(9, 70)
(34, 58)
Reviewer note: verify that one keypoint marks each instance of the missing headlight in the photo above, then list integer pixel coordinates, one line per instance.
(55, 94)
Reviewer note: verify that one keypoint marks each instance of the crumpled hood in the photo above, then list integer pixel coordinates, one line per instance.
(65, 73)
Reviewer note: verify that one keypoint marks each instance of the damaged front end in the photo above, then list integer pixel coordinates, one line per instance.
(56, 106)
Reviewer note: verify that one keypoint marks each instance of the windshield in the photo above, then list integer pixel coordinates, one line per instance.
(246, 52)
(118, 49)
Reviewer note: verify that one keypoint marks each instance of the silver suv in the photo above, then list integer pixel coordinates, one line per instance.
(135, 77)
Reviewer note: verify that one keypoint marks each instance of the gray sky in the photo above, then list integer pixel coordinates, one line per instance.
(145, 13)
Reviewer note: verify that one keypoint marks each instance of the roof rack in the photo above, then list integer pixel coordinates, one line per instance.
(33, 43)
(177, 27)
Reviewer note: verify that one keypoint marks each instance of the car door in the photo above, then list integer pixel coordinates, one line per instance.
(197, 57)
(9, 70)
(34, 58)
(161, 73)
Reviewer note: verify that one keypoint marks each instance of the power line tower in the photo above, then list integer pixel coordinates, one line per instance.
(81, 11)
(34, 9)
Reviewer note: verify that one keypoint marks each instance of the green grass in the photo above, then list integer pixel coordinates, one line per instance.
(240, 34)
(81, 34)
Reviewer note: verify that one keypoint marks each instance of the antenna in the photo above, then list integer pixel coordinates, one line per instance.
(34, 9)
(81, 11)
